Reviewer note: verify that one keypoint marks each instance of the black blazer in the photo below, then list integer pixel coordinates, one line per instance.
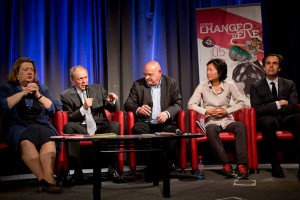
(262, 100)
(140, 94)
(72, 103)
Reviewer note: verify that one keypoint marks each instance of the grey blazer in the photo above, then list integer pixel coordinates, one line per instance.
(140, 94)
(72, 103)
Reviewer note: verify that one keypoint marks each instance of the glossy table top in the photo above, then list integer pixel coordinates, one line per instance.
(111, 136)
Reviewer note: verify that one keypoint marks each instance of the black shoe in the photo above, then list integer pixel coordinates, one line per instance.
(172, 168)
(48, 187)
(228, 171)
(242, 171)
(151, 175)
(277, 172)
(148, 175)
(76, 179)
(113, 175)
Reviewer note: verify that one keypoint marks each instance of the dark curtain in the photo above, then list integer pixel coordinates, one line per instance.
(281, 35)
(115, 38)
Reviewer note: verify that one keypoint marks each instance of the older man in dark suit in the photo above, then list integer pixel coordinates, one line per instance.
(155, 100)
(80, 106)
(275, 101)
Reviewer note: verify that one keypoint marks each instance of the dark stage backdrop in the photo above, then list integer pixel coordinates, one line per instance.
(115, 38)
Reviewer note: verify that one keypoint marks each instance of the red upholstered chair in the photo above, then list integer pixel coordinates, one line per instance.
(242, 115)
(3, 145)
(181, 125)
(61, 167)
(257, 136)
(62, 119)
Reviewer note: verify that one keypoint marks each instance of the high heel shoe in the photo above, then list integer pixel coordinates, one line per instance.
(48, 187)
(113, 175)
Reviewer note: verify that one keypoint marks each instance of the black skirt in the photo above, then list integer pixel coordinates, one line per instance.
(38, 134)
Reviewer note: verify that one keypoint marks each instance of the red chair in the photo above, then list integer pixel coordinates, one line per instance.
(257, 136)
(242, 115)
(181, 125)
(62, 119)
(3, 145)
(61, 167)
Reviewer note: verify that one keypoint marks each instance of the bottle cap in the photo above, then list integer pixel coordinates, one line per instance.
(200, 157)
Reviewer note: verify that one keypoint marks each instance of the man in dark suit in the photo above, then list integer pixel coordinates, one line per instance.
(79, 106)
(155, 101)
(275, 101)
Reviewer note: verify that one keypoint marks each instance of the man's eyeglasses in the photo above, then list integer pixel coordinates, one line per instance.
(149, 74)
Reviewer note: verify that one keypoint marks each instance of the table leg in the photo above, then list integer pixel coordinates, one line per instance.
(155, 182)
(96, 171)
(166, 171)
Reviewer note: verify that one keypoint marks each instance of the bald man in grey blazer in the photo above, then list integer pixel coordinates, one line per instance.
(155, 101)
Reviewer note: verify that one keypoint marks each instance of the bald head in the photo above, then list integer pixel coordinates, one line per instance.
(152, 73)
(152, 65)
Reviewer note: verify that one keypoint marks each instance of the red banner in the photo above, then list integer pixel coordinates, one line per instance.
(235, 35)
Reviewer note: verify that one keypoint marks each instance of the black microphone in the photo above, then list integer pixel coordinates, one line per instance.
(150, 104)
(178, 132)
(87, 90)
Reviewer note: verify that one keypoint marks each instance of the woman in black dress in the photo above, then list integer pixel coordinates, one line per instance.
(28, 107)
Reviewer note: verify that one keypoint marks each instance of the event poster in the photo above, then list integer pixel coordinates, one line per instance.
(233, 34)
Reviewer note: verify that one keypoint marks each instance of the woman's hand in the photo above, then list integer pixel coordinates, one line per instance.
(217, 112)
(32, 88)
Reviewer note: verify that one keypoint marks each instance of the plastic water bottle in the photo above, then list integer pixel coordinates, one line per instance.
(200, 171)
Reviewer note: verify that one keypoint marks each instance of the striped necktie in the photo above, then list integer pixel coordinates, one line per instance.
(89, 120)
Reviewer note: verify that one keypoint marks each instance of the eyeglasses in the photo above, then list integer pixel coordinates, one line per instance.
(149, 74)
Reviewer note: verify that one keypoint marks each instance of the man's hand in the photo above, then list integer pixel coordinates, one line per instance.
(283, 102)
(111, 97)
(144, 110)
(88, 102)
(162, 117)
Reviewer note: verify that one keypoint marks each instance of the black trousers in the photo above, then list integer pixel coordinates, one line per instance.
(240, 134)
(74, 147)
(146, 128)
(269, 125)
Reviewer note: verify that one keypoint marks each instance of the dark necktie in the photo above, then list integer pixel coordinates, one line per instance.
(274, 91)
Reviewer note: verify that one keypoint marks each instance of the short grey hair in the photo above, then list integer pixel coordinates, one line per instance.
(74, 68)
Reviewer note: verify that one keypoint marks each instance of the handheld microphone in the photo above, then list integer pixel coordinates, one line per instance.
(150, 104)
(87, 90)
